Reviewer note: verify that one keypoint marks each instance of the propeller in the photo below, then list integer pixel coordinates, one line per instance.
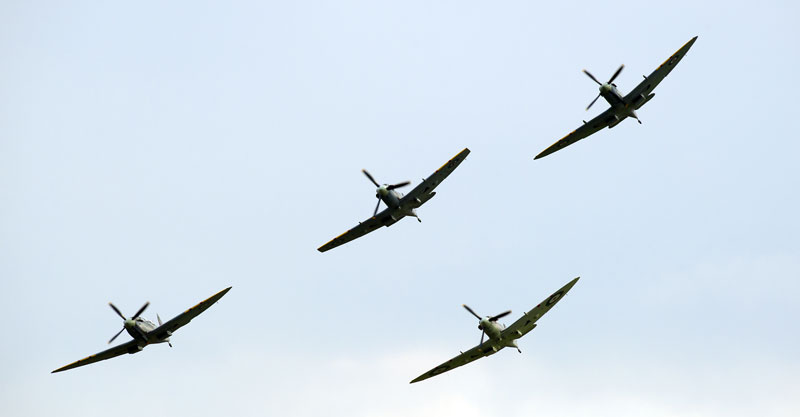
(115, 336)
(370, 177)
(492, 319)
(592, 103)
(602, 86)
(592, 77)
(126, 320)
(500, 316)
(377, 206)
(473, 313)
(382, 189)
(613, 77)
(141, 310)
(113, 307)
(398, 185)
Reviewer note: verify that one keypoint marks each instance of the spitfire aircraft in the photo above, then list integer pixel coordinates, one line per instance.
(398, 205)
(622, 107)
(145, 332)
(500, 336)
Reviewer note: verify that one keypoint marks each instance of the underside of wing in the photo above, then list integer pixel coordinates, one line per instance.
(384, 218)
(424, 191)
(480, 351)
(528, 321)
(130, 347)
(641, 94)
(593, 126)
(184, 318)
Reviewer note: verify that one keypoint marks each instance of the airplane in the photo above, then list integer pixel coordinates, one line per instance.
(398, 205)
(622, 107)
(144, 332)
(500, 336)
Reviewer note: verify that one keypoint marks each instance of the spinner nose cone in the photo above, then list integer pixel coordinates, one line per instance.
(605, 88)
(382, 190)
(129, 323)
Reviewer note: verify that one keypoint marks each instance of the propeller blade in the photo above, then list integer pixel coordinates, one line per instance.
(370, 178)
(398, 185)
(141, 310)
(376, 207)
(616, 73)
(500, 316)
(482, 334)
(115, 336)
(473, 313)
(592, 77)
(113, 307)
(590, 104)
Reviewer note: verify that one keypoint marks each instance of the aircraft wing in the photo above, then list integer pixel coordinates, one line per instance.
(384, 218)
(593, 126)
(528, 321)
(415, 198)
(639, 95)
(129, 347)
(480, 351)
(424, 191)
(184, 318)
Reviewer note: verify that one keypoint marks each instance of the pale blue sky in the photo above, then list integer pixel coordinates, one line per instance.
(162, 152)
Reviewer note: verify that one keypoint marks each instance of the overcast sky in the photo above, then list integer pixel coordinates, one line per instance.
(162, 151)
